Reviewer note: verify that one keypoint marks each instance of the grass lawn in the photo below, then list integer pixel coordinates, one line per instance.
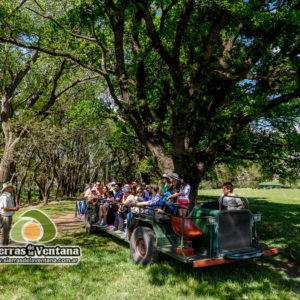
(106, 270)
(54, 209)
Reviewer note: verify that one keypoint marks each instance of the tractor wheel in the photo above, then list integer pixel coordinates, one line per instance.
(143, 246)
(89, 220)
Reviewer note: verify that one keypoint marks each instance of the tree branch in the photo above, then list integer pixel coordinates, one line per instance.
(209, 45)
(17, 8)
(158, 46)
(20, 75)
(53, 97)
(164, 14)
(227, 48)
(254, 76)
(75, 83)
(53, 53)
(182, 24)
(281, 99)
(62, 27)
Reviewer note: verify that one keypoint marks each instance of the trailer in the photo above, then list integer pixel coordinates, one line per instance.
(205, 237)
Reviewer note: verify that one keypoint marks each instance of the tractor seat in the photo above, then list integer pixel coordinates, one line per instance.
(190, 230)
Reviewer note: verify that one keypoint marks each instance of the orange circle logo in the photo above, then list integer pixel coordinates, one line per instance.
(32, 231)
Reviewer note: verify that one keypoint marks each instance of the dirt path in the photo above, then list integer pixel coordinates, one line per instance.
(67, 222)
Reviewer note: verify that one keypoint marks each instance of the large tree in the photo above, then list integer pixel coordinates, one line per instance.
(194, 79)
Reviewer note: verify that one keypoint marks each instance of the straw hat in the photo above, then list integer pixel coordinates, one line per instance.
(7, 185)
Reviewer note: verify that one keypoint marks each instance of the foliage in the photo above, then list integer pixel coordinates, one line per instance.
(200, 83)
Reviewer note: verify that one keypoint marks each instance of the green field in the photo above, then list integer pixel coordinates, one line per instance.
(106, 270)
(52, 210)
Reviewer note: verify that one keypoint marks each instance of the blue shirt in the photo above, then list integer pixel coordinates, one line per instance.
(155, 202)
(118, 195)
(146, 194)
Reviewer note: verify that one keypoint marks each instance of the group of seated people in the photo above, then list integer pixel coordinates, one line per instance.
(118, 202)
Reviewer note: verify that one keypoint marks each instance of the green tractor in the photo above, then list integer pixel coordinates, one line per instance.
(205, 237)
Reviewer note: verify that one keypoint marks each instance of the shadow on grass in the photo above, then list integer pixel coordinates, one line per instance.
(280, 225)
(100, 239)
(226, 281)
(230, 281)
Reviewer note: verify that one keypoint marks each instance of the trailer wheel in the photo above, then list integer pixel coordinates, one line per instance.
(88, 221)
(143, 246)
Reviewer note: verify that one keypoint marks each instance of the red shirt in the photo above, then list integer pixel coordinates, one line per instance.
(99, 192)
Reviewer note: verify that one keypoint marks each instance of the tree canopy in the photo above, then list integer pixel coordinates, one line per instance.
(198, 83)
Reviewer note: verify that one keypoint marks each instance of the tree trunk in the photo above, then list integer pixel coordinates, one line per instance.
(41, 194)
(22, 182)
(6, 166)
(145, 177)
(57, 190)
(46, 198)
(29, 192)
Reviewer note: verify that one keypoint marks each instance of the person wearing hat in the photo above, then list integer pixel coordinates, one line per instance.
(165, 187)
(165, 193)
(181, 193)
(7, 209)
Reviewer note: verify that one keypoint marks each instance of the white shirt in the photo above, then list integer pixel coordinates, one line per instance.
(6, 200)
(131, 199)
(86, 193)
(185, 189)
(231, 202)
